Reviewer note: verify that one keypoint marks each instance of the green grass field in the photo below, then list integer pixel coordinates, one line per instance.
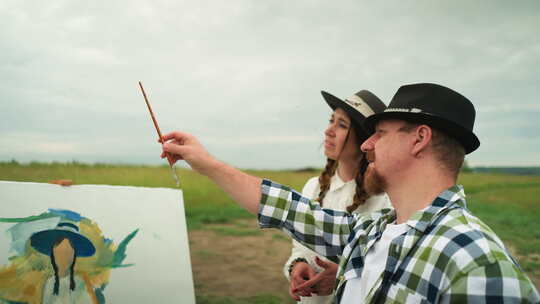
(509, 204)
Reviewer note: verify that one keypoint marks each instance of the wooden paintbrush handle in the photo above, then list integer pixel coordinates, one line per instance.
(169, 157)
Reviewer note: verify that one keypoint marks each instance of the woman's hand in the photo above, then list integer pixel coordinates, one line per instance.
(321, 284)
(300, 273)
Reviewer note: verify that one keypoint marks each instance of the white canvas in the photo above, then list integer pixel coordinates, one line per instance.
(159, 251)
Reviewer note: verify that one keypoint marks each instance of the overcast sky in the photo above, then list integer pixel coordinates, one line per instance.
(245, 76)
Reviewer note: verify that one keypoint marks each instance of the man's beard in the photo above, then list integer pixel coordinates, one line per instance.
(374, 183)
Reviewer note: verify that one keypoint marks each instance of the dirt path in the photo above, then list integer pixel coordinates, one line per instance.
(239, 260)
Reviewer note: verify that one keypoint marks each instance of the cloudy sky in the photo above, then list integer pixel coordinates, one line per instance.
(245, 76)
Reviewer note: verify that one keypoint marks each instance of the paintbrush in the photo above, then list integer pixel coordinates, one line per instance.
(169, 157)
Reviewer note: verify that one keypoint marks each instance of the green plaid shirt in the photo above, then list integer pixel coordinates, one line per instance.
(447, 255)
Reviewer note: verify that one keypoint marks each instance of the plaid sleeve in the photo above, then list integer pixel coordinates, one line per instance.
(324, 231)
(498, 282)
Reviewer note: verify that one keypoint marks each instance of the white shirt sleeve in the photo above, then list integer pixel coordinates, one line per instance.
(310, 188)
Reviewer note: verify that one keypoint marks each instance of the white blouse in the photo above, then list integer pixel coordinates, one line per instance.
(338, 197)
(65, 295)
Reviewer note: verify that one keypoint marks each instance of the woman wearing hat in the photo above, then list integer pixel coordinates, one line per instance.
(339, 187)
(63, 245)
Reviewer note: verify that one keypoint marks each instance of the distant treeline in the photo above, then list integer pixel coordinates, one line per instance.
(314, 170)
(74, 163)
(508, 170)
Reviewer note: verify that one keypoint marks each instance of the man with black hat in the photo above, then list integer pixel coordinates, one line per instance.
(429, 248)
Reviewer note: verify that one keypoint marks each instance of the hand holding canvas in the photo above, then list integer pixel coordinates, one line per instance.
(323, 282)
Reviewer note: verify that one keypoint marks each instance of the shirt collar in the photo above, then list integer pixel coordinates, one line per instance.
(449, 198)
(336, 182)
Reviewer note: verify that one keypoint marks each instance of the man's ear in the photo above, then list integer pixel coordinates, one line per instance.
(422, 137)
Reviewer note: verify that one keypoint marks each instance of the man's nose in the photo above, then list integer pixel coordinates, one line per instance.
(367, 145)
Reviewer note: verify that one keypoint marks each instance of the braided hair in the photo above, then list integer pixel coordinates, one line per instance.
(360, 195)
(325, 177)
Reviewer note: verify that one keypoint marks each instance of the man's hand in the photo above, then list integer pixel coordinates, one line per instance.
(300, 273)
(185, 146)
(243, 188)
(323, 283)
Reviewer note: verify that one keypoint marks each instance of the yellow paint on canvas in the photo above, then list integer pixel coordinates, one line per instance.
(24, 278)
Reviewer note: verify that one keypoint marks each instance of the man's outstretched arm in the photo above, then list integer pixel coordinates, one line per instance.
(243, 188)
(324, 231)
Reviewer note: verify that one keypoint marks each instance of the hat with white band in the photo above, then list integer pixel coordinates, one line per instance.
(359, 106)
(436, 106)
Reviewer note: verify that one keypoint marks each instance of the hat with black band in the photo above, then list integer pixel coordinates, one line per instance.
(359, 106)
(43, 241)
(436, 106)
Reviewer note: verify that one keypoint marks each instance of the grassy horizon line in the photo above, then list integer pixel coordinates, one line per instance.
(33, 163)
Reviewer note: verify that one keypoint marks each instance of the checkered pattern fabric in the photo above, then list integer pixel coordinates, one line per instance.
(447, 255)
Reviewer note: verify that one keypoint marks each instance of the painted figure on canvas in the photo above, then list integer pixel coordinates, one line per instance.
(63, 245)
(60, 257)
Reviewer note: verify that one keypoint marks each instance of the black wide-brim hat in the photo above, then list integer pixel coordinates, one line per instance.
(359, 106)
(43, 241)
(436, 106)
